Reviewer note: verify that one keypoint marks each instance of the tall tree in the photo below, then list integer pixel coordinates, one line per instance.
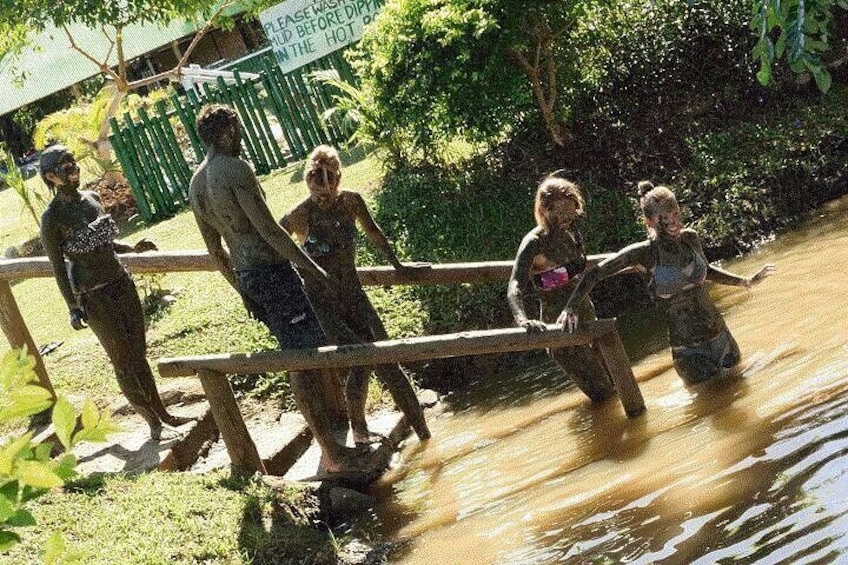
(20, 20)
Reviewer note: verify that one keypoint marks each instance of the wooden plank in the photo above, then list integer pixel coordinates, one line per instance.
(187, 261)
(243, 453)
(390, 351)
(18, 334)
(621, 372)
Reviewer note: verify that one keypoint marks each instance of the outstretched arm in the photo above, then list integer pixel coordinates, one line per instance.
(720, 276)
(376, 235)
(636, 255)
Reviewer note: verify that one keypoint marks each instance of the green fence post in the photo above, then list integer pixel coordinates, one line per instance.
(160, 157)
(274, 152)
(247, 128)
(285, 113)
(129, 168)
(320, 135)
(173, 147)
(187, 118)
(156, 185)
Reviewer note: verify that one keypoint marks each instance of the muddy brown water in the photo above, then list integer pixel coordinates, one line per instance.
(522, 469)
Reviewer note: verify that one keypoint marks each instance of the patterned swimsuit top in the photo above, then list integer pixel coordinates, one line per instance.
(563, 274)
(96, 235)
(329, 230)
(668, 280)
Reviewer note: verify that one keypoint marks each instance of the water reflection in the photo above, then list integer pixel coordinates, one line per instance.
(753, 469)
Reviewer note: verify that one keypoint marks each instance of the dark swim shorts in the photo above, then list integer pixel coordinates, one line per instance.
(278, 300)
(704, 361)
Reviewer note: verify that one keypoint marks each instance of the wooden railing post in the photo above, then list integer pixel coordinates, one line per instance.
(243, 453)
(618, 365)
(18, 334)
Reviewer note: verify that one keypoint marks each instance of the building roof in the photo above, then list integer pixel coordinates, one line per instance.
(53, 65)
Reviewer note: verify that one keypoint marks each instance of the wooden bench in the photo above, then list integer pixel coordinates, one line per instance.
(213, 369)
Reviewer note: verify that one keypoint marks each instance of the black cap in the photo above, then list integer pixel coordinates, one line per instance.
(51, 156)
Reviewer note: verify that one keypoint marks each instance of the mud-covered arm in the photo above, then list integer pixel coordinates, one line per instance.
(720, 276)
(250, 198)
(636, 255)
(519, 279)
(295, 221)
(371, 229)
(52, 242)
(214, 245)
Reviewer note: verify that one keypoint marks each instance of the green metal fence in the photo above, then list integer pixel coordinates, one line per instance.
(281, 115)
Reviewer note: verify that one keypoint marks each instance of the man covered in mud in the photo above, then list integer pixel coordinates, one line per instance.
(96, 287)
(325, 223)
(229, 205)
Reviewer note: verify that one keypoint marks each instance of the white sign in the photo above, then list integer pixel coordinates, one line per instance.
(301, 31)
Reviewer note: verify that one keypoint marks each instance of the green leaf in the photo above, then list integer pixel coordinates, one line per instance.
(90, 414)
(66, 467)
(42, 451)
(64, 420)
(7, 508)
(21, 519)
(25, 401)
(823, 80)
(10, 490)
(37, 474)
(10, 452)
(8, 539)
(54, 548)
(764, 74)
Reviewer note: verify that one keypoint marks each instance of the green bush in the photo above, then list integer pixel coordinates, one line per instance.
(27, 470)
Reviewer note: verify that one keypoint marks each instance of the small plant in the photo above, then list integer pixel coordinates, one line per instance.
(27, 470)
(33, 202)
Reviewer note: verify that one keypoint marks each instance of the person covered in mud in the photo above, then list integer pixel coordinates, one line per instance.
(325, 224)
(96, 287)
(550, 261)
(260, 262)
(676, 268)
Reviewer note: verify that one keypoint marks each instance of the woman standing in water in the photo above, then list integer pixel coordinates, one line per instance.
(96, 288)
(325, 224)
(551, 260)
(673, 257)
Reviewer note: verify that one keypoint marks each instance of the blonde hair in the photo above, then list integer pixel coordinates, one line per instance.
(324, 164)
(653, 200)
(550, 190)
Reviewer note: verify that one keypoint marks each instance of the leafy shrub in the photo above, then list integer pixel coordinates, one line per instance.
(27, 470)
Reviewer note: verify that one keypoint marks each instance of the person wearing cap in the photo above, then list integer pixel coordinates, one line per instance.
(96, 287)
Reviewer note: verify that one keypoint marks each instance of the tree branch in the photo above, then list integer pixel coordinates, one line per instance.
(104, 67)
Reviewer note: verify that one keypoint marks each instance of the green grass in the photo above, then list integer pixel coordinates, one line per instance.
(163, 518)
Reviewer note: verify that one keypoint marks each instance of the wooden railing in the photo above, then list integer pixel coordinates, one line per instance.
(213, 369)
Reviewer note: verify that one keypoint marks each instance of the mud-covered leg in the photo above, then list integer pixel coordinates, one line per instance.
(586, 370)
(356, 394)
(398, 385)
(306, 389)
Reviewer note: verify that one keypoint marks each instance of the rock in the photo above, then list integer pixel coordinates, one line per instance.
(11, 253)
(347, 503)
(428, 398)
(166, 301)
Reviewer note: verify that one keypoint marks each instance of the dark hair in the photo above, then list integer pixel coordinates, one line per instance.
(553, 189)
(654, 199)
(50, 159)
(213, 120)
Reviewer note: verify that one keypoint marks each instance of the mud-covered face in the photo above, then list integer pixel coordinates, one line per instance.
(561, 213)
(323, 187)
(667, 222)
(65, 175)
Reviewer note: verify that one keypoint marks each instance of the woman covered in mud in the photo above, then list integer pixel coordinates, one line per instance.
(673, 259)
(325, 224)
(95, 286)
(549, 262)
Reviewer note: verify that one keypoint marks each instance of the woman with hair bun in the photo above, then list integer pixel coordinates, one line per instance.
(325, 224)
(550, 261)
(673, 258)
